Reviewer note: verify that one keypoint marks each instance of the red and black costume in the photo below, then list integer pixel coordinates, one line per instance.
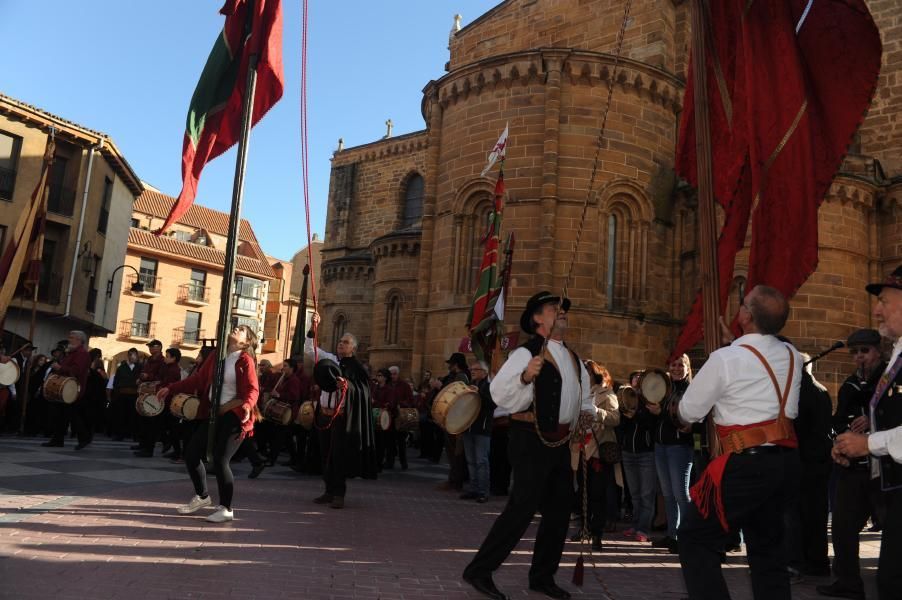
(77, 364)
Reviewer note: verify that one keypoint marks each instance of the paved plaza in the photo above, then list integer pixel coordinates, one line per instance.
(101, 524)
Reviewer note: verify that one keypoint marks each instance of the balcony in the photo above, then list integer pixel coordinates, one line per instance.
(61, 200)
(7, 183)
(194, 294)
(140, 331)
(50, 289)
(191, 338)
(151, 285)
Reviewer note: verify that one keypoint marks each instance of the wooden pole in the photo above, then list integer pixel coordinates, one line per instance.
(228, 274)
(707, 229)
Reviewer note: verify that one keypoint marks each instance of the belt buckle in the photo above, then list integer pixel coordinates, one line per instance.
(738, 445)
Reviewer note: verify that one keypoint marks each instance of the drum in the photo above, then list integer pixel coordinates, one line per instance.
(9, 373)
(148, 405)
(148, 391)
(383, 422)
(456, 407)
(628, 399)
(377, 416)
(58, 388)
(408, 419)
(306, 414)
(185, 406)
(655, 385)
(277, 412)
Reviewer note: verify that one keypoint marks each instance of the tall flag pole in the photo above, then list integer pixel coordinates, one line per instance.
(223, 109)
(775, 143)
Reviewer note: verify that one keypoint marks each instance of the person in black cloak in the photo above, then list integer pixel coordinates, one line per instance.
(344, 419)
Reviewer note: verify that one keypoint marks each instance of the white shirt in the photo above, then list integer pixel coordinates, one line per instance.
(109, 384)
(326, 399)
(735, 383)
(889, 442)
(229, 380)
(510, 393)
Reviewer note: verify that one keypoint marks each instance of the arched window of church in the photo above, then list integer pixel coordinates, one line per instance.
(413, 200)
(392, 319)
(612, 258)
(477, 248)
(339, 328)
(622, 254)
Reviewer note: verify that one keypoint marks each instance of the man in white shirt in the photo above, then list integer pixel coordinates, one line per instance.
(884, 443)
(546, 388)
(752, 385)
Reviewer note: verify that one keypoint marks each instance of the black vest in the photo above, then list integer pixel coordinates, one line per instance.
(127, 378)
(888, 414)
(548, 386)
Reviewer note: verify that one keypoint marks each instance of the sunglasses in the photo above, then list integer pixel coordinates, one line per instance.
(859, 350)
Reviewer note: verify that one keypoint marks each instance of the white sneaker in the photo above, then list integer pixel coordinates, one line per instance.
(194, 505)
(221, 516)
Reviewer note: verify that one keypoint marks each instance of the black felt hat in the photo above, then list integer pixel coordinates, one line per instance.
(893, 280)
(535, 303)
(457, 359)
(864, 337)
(326, 374)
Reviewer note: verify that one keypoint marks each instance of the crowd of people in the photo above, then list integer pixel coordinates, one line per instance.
(752, 449)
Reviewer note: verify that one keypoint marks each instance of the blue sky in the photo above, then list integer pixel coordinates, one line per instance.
(128, 68)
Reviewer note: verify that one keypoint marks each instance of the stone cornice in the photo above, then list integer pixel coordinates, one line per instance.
(359, 266)
(394, 146)
(852, 188)
(581, 67)
(396, 243)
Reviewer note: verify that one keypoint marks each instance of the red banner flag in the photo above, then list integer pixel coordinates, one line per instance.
(789, 83)
(214, 116)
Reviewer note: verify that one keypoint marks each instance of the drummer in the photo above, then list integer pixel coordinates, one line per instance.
(154, 363)
(76, 363)
(547, 389)
(401, 396)
(478, 438)
(382, 399)
(151, 428)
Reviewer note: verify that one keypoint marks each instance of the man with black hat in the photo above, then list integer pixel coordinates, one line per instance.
(884, 443)
(547, 389)
(857, 495)
(344, 417)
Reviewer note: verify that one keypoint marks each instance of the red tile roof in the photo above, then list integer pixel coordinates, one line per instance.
(139, 238)
(157, 204)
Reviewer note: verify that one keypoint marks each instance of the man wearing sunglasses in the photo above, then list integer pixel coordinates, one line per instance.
(857, 495)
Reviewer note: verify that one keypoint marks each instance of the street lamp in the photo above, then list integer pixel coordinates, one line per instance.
(137, 287)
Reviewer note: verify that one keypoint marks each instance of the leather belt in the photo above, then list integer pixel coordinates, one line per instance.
(765, 450)
(526, 421)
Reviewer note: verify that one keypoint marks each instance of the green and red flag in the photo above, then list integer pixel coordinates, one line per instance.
(252, 27)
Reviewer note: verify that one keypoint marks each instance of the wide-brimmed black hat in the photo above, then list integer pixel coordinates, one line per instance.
(326, 374)
(864, 337)
(893, 280)
(457, 359)
(534, 304)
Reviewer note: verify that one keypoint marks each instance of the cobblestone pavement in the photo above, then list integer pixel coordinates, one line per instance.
(101, 524)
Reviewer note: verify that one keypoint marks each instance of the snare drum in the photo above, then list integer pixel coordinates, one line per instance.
(59, 388)
(306, 415)
(185, 406)
(9, 373)
(408, 419)
(148, 405)
(384, 420)
(456, 407)
(277, 412)
(655, 385)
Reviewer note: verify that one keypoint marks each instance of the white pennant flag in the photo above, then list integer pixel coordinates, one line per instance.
(498, 151)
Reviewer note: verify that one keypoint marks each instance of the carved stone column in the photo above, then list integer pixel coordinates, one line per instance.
(554, 62)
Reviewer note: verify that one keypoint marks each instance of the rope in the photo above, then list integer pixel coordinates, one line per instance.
(305, 173)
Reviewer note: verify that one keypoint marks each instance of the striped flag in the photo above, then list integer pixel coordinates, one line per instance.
(26, 243)
(252, 27)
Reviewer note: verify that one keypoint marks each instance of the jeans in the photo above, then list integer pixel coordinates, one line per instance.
(476, 448)
(674, 464)
(639, 470)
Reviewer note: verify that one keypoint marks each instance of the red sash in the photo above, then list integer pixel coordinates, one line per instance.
(736, 438)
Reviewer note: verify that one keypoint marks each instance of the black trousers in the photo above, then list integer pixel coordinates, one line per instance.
(395, 445)
(280, 438)
(814, 514)
(889, 566)
(755, 491)
(542, 481)
(499, 465)
(150, 429)
(601, 479)
(857, 498)
(228, 439)
(61, 415)
(332, 450)
(123, 416)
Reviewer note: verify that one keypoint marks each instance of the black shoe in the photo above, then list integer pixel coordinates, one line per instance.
(143, 453)
(82, 445)
(469, 496)
(52, 444)
(324, 499)
(674, 547)
(663, 542)
(486, 586)
(837, 590)
(550, 589)
(596, 543)
(256, 470)
(171, 455)
(482, 499)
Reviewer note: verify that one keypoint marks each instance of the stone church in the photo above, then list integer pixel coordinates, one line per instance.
(406, 213)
